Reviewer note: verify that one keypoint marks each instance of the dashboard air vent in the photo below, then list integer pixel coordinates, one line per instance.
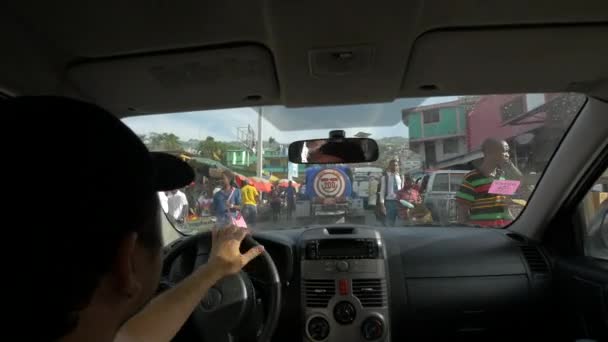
(318, 292)
(371, 292)
(535, 259)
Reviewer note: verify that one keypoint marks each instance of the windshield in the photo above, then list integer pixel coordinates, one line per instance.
(471, 160)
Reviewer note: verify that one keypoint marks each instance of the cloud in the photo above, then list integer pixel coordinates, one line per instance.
(220, 124)
(284, 124)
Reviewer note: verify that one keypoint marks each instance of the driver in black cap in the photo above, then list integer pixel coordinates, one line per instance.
(102, 265)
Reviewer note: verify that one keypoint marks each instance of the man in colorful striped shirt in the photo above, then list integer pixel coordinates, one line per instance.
(476, 205)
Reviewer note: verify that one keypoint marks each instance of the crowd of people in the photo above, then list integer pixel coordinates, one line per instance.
(229, 202)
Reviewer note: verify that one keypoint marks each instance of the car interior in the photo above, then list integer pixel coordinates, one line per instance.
(544, 277)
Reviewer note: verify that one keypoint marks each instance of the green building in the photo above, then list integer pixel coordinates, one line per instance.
(238, 157)
(437, 132)
(275, 161)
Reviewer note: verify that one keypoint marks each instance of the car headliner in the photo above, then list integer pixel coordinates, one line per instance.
(135, 57)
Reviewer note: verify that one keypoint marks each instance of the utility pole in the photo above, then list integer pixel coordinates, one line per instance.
(259, 147)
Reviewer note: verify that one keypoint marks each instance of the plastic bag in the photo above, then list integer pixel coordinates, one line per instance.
(237, 219)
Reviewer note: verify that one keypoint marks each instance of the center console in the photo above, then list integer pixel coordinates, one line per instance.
(344, 285)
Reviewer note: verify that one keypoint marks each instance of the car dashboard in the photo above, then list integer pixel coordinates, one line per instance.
(357, 283)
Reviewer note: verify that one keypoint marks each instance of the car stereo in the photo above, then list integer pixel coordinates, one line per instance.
(342, 249)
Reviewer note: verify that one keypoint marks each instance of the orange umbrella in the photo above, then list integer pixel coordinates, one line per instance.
(239, 178)
(263, 185)
(283, 183)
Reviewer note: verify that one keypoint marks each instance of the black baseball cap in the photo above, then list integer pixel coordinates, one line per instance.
(96, 150)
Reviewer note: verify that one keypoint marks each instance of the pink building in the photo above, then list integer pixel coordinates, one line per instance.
(532, 124)
(495, 116)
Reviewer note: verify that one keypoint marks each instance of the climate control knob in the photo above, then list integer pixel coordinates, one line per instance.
(318, 328)
(372, 328)
(345, 313)
(342, 266)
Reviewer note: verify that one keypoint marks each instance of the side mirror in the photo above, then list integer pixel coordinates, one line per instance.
(333, 151)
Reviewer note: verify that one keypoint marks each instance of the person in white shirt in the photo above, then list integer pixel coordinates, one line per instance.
(164, 201)
(178, 205)
(390, 183)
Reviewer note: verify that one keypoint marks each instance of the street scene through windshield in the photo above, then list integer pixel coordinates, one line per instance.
(471, 160)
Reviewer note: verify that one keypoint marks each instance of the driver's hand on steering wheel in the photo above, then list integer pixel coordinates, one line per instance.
(226, 258)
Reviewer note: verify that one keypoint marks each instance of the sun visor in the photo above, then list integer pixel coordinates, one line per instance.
(181, 81)
(481, 61)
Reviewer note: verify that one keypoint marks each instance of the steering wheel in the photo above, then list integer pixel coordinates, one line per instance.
(229, 305)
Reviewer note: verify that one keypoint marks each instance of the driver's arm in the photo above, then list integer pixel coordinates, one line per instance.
(162, 318)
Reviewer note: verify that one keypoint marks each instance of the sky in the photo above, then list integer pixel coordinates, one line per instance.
(284, 124)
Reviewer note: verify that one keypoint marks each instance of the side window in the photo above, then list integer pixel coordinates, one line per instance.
(455, 181)
(424, 183)
(441, 183)
(595, 211)
(431, 116)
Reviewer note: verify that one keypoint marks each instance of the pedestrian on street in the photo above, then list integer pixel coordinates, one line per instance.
(250, 203)
(164, 201)
(475, 204)
(275, 204)
(409, 193)
(390, 183)
(290, 196)
(178, 205)
(226, 201)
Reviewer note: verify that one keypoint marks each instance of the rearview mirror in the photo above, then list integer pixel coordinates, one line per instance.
(333, 151)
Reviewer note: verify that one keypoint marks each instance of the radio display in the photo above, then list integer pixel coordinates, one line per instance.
(343, 248)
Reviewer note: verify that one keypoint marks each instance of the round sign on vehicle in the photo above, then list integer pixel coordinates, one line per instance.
(329, 183)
